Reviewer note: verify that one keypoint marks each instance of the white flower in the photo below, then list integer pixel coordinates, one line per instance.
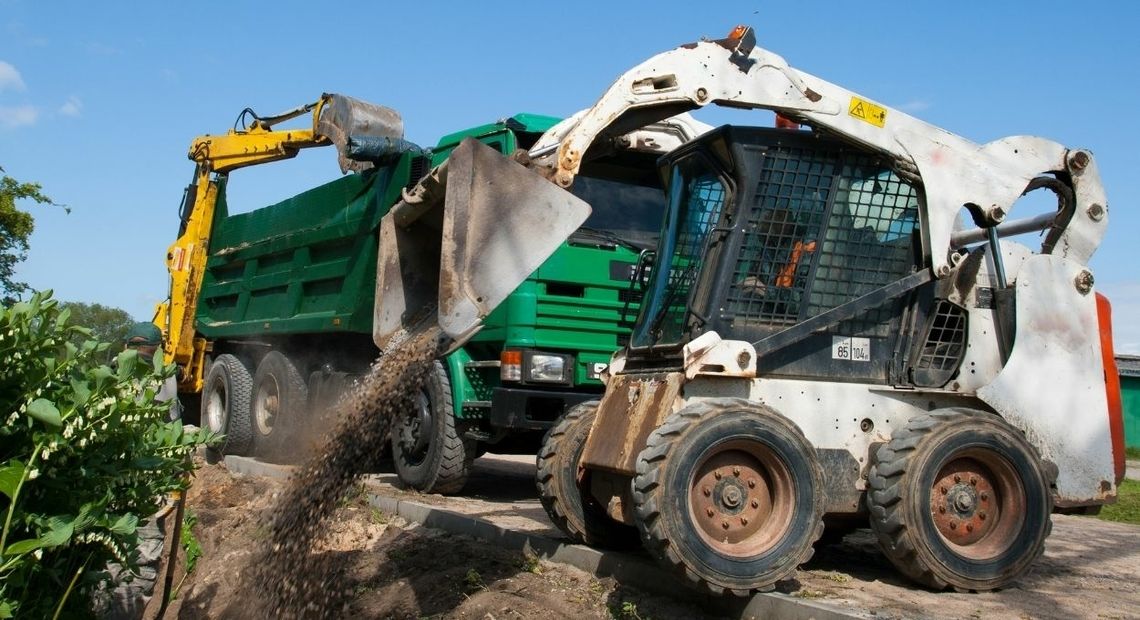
(83, 443)
(39, 553)
(33, 474)
(44, 454)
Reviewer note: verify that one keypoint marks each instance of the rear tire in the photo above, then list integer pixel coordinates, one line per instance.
(563, 486)
(428, 451)
(959, 498)
(729, 493)
(280, 397)
(225, 404)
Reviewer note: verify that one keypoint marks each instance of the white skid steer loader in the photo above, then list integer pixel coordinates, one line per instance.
(818, 339)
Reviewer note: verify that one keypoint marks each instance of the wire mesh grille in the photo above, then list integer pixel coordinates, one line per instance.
(945, 339)
(823, 228)
(780, 235)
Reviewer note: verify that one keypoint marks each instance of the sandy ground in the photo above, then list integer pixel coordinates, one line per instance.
(388, 568)
(392, 569)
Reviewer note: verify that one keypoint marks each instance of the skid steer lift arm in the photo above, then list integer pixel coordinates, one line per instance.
(955, 172)
(335, 118)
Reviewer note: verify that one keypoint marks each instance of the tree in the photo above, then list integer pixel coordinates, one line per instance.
(107, 324)
(15, 228)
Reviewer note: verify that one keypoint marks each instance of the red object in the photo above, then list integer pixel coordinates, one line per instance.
(783, 122)
(1111, 385)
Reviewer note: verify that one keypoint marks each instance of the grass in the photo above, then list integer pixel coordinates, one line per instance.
(1127, 506)
(1132, 453)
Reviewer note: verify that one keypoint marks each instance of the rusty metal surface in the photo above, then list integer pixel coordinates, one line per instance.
(633, 406)
(978, 504)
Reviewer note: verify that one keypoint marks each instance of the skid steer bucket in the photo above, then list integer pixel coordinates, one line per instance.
(464, 239)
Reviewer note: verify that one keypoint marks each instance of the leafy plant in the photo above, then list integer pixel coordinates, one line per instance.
(85, 454)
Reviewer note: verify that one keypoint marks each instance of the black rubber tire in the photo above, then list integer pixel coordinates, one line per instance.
(277, 406)
(442, 462)
(902, 479)
(225, 404)
(679, 449)
(564, 490)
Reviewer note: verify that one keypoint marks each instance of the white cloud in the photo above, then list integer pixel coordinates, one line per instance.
(915, 105)
(73, 107)
(10, 78)
(18, 116)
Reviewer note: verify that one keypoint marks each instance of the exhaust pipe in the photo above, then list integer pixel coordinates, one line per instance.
(464, 239)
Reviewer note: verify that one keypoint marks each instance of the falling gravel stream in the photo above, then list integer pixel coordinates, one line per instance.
(288, 580)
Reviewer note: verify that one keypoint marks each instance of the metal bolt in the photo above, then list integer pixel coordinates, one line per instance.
(944, 490)
(969, 527)
(1084, 282)
(982, 515)
(702, 94)
(941, 509)
(957, 478)
(707, 491)
(985, 496)
(752, 484)
(1079, 161)
(735, 471)
(716, 474)
(709, 512)
(755, 504)
(724, 524)
(973, 481)
(953, 525)
(1096, 212)
(744, 520)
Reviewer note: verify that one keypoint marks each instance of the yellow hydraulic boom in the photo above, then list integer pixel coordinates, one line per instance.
(334, 119)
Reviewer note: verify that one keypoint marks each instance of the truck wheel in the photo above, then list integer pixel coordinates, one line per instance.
(225, 404)
(280, 396)
(729, 493)
(428, 451)
(959, 498)
(564, 489)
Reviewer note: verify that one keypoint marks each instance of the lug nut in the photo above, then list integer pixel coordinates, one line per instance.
(982, 515)
(953, 525)
(973, 481)
(717, 475)
(735, 471)
(707, 491)
(969, 527)
(941, 509)
(755, 504)
(957, 478)
(724, 524)
(709, 512)
(744, 520)
(985, 496)
(944, 490)
(752, 484)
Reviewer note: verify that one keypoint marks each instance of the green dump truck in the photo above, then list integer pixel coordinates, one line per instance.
(285, 310)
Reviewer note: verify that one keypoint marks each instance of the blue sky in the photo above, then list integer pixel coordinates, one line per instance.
(99, 101)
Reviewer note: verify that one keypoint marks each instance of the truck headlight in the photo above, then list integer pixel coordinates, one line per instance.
(546, 368)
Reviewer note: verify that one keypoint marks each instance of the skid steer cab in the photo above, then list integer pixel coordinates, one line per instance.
(796, 362)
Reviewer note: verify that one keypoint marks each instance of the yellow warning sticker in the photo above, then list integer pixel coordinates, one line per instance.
(867, 112)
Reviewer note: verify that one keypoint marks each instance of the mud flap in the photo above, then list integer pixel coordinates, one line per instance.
(460, 243)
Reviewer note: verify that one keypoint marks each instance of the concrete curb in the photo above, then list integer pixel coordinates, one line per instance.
(624, 568)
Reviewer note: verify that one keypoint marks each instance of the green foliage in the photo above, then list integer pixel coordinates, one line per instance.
(190, 545)
(1127, 506)
(104, 323)
(1132, 453)
(15, 228)
(85, 454)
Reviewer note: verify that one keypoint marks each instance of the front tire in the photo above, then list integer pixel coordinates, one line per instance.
(225, 404)
(428, 450)
(960, 499)
(563, 486)
(729, 493)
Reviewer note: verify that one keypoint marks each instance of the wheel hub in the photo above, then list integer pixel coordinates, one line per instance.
(415, 428)
(968, 500)
(266, 406)
(740, 501)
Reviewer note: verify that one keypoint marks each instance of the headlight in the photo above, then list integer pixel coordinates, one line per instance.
(546, 368)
